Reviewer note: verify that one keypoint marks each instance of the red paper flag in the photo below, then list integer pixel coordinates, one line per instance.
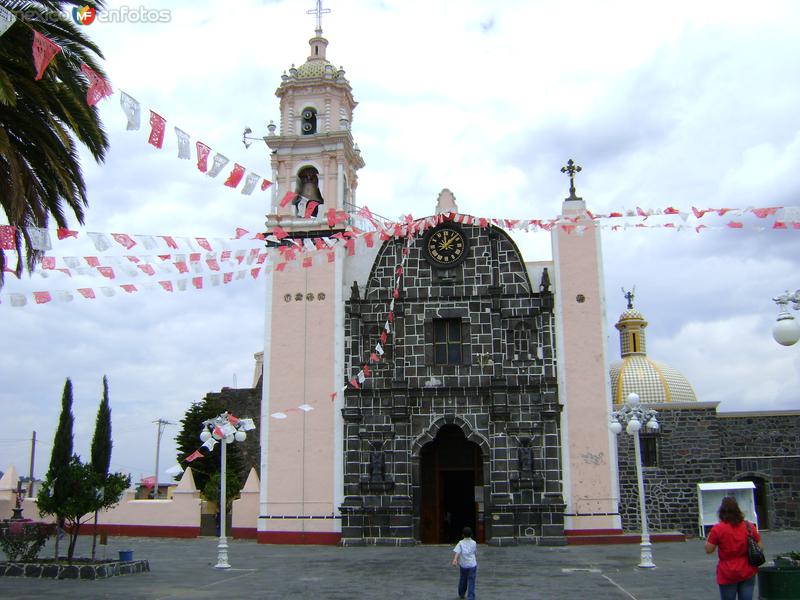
(671, 211)
(203, 243)
(368, 239)
(374, 357)
(265, 184)
(354, 383)
(212, 264)
(86, 293)
(64, 233)
(227, 277)
(167, 285)
(134, 259)
(735, 225)
(240, 233)
(129, 287)
(280, 266)
(762, 213)
(92, 261)
(350, 244)
(123, 239)
(169, 241)
(779, 225)
(99, 87)
(308, 262)
(254, 272)
(42, 297)
(48, 263)
(384, 336)
(157, 126)
(279, 232)
(181, 266)
(106, 272)
(8, 237)
(288, 197)
(194, 456)
(43, 52)
(331, 256)
(235, 176)
(149, 482)
(311, 206)
(225, 255)
(202, 156)
(261, 258)
(147, 269)
(197, 282)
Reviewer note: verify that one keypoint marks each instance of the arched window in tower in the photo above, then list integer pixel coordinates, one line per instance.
(309, 121)
(307, 191)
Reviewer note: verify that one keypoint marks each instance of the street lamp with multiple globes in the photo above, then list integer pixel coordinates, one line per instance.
(786, 330)
(226, 428)
(634, 416)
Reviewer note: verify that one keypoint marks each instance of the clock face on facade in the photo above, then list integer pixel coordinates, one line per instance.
(445, 247)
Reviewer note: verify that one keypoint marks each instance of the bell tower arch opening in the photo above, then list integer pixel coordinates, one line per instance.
(451, 470)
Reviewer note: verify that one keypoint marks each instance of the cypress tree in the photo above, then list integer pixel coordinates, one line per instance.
(61, 455)
(101, 449)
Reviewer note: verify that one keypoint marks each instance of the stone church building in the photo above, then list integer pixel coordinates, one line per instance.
(488, 402)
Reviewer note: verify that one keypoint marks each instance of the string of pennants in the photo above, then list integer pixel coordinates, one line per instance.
(45, 50)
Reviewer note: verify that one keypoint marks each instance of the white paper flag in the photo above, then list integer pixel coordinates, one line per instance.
(100, 240)
(278, 415)
(183, 144)
(107, 291)
(148, 241)
(40, 238)
(247, 424)
(64, 295)
(210, 443)
(174, 470)
(7, 19)
(17, 299)
(73, 262)
(181, 283)
(250, 183)
(219, 163)
(130, 107)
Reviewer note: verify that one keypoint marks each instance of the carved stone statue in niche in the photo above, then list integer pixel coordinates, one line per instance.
(525, 457)
(377, 463)
(308, 191)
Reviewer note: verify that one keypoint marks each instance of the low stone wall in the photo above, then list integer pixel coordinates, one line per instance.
(50, 570)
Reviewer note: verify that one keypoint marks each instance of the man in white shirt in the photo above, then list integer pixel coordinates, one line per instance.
(467, 563)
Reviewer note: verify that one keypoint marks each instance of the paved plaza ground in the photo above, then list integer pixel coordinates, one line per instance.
(184, 569)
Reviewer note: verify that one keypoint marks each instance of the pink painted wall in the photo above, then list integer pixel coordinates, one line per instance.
(300, 459)
(589, 453)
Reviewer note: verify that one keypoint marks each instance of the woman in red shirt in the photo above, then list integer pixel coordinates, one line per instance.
(735, 576)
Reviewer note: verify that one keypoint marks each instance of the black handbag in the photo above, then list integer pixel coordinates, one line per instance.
(755, 555)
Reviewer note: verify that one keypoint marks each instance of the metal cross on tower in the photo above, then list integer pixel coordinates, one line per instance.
(319, 11)
(629, 296)
(571, 169)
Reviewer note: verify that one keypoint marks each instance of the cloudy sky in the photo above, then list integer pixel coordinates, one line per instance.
(676, 104)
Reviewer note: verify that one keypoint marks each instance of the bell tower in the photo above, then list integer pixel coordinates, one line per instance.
(315, 161)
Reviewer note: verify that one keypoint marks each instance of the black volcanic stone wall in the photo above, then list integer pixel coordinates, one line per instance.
(495, 396)
(697, 445)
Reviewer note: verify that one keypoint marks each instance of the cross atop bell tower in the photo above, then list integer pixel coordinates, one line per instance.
(314, 158)
(319, 11)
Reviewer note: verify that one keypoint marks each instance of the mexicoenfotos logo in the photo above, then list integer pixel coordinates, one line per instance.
(83, 15)
(123, 14)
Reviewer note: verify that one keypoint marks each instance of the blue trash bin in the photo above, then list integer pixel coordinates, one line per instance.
(126, 555)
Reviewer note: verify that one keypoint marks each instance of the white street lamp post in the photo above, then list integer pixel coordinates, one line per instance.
(228, 429)
(633, 416)
(786, 331)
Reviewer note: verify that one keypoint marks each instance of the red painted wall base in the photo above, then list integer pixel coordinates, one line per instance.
(244, 533)
(173, 531)
(318, 538)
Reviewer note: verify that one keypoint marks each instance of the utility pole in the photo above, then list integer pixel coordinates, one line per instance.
(161, 424)
(33, 458)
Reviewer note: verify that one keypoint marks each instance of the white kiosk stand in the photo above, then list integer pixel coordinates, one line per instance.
(710, 495)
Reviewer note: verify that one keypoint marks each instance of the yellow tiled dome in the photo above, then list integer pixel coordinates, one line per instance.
(654, 381)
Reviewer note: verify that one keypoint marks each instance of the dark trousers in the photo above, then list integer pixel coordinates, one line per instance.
(466, 582)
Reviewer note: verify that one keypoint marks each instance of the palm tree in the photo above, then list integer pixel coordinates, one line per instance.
(43, 122)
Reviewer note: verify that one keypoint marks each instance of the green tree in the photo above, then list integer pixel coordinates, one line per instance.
(43, 123)
(86, 493)
(61, 454)
(101, 449)
(211, 491)
(188, 440)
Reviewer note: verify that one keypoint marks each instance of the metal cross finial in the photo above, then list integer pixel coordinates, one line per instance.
(319, 11)
(629, 296)
(571, 169)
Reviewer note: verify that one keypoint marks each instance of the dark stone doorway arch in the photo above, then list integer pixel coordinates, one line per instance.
(451, 469)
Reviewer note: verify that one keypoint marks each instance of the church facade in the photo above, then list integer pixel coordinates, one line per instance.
(465, 418)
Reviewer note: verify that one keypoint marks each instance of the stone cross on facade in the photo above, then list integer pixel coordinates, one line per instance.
(319, 11)
(571, 169)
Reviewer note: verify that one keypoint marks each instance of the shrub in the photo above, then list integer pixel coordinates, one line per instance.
(22, 540)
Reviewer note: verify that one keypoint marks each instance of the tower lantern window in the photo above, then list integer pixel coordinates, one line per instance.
(309, 121)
